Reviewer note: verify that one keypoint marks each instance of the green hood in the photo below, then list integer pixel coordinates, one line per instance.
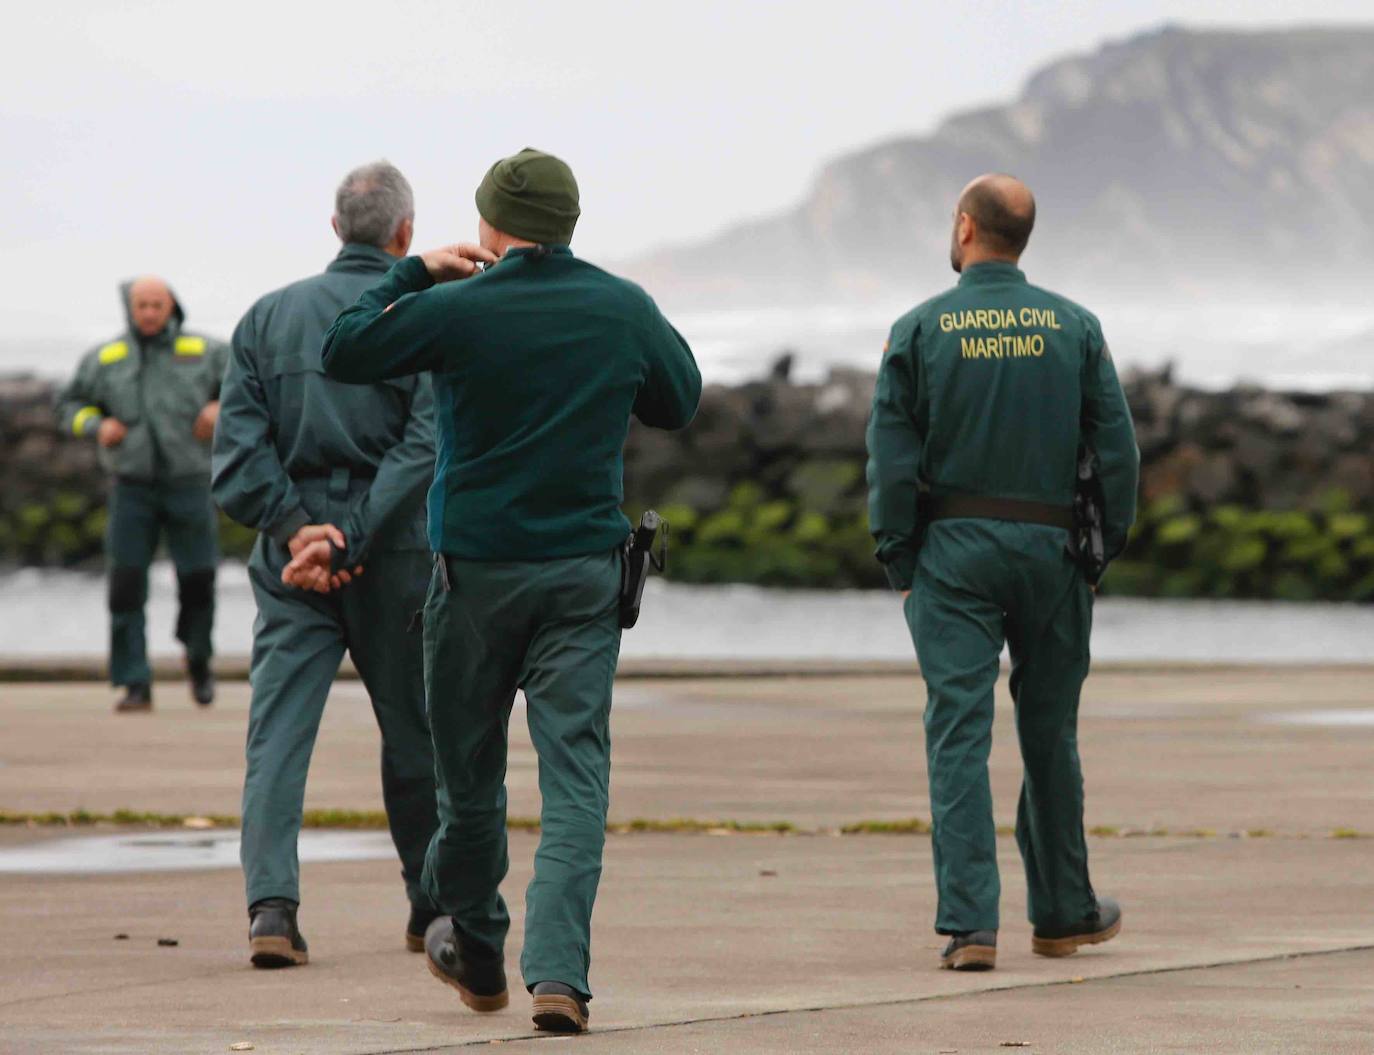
(174, 324)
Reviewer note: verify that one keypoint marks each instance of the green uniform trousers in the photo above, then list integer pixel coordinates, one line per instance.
(139, 514)
(551, 628)
(299, 639)
(981, 583)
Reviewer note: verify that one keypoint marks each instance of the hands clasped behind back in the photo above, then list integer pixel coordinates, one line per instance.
(312, 560)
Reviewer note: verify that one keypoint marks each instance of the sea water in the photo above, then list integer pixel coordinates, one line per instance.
(62, 613)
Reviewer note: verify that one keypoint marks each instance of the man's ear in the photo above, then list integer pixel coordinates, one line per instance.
(967, 228)
(334, 223)
(405, 233)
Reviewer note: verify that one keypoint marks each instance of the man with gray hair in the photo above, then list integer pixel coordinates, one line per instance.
(302, 458)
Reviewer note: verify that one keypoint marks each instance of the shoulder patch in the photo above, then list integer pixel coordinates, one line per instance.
(113, 352)
(189, 346)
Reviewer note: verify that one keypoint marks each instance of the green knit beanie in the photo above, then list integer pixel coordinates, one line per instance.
(532, 196)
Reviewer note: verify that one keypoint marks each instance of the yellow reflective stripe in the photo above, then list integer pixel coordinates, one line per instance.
(113, 352)
(189, 346)
(82, 416)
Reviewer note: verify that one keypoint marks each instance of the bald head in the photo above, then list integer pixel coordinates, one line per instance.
(993, 220)
(150, 304)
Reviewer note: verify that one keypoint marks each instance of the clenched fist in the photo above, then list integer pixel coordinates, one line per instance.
(204, 428)
(451, 262)
(111, 432)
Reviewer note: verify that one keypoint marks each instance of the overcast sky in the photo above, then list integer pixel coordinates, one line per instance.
(204, 143)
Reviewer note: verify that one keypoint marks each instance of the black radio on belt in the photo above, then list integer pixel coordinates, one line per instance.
(1087, 542)
(638, 556)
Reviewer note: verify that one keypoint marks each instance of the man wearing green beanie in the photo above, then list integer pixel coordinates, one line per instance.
(539, 361)
(531, 196)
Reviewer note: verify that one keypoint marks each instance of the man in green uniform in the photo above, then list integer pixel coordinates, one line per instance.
(538, 364)
(300, 457)
(150, 399)
(986, 395)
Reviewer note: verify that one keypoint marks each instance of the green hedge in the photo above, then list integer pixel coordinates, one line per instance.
(1325, 554)
(768, 541)
(812, 531)
(68, 530)
(1174, 551)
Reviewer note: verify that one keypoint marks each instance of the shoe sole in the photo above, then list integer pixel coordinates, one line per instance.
(554, 1013)
(415, 942)
(1056, 947)
(276, 952)
(971, 958)
(482, 1004)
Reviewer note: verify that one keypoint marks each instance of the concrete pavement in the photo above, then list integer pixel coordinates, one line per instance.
(1223, 750)
(713, 932)
(750, 943)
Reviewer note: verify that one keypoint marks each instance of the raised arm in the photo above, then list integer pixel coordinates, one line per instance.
(1108, 432)
(671, 391)
(246, 476)
(894, 459)
(386, 333)
(391, 331)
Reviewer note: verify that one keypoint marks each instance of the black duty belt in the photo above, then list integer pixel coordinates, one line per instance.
(980, 507)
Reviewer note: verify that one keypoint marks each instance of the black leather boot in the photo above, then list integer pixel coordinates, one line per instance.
(477, 973)
(273, 937)
(202, 682)
(559, 1008)
(1102, 925)
(137, 699)
(974, 950)
(419, 922)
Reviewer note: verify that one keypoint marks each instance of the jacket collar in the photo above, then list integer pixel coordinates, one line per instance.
(989, 271)
(526, 250)
(355, 258)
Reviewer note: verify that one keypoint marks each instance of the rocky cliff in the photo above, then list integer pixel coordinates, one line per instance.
(1174, 161)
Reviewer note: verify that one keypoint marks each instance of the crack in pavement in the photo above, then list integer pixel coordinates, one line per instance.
(438, 1049)
(1144, 972)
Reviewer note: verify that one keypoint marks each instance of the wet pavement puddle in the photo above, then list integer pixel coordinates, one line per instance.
(177, 851)
(1350, 718)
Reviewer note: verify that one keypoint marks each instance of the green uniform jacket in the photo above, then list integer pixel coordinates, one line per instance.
(286, 430)
(538, 364)
(156, 386)
(990, 389)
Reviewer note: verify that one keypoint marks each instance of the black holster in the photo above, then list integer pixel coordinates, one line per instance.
(636, 559)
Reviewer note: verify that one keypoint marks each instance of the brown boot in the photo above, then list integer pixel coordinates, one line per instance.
(1102, 925)
(273, 937)
(137, 699)
(559, 1008)
(974, 951)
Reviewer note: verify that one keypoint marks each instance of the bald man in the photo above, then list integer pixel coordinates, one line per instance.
(149, 399)
(989, 398)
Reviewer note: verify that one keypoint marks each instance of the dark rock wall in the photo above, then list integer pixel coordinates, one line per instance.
(1244, 446)
(799, 443)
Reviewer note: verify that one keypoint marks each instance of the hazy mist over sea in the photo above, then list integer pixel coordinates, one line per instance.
(1309, 346)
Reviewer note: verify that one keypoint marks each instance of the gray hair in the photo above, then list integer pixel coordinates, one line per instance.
(371, 203)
